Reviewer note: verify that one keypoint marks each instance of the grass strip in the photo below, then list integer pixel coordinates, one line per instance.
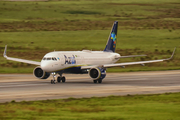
(131, 107)
(156, 44)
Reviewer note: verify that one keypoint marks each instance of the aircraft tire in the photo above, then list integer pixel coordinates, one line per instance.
(63, 79)
(52, 81)
(59, 79)
(100, 81)
(95, 81)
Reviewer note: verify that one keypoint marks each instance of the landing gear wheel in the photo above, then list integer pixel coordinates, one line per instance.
(100, 81)
(54, 81)
(63, 79)
(95, 81)
(51, 81)
(59, 79)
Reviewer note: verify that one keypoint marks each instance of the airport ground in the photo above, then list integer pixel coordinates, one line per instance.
(26, 87)
(80, 98)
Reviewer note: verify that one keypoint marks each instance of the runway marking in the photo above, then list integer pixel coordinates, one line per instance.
(93, 91)
(130, 79)
(15, 85)
(36, 79)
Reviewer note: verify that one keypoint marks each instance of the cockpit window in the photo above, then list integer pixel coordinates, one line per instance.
(54, 59)
(44, 58)
(48, 58)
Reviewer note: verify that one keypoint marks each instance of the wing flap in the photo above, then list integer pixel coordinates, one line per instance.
(91, 66)
(132, 56)
(130, 63)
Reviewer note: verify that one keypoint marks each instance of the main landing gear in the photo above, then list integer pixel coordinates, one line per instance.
(59, 78)
(99, 81)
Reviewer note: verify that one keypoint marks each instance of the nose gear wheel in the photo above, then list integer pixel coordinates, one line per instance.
(53, 81)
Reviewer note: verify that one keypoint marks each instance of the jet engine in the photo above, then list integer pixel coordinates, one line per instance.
(97, 73)
(39, 73)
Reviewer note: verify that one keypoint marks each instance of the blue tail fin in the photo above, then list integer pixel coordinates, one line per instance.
(111, 43)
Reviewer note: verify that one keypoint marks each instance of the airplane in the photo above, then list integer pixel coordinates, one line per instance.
(93, 63)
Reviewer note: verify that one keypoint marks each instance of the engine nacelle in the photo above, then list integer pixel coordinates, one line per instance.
(39, 73)
(97, 73)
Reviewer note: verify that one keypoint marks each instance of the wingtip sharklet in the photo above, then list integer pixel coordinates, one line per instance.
(172, 54)
(4, 54)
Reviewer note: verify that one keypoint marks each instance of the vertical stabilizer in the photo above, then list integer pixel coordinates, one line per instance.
(111, 43)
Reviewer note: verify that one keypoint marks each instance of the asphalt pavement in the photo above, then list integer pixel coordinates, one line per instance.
(25, 87)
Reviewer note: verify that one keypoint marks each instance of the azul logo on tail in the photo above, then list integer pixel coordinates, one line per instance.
(113, 37)
(111, 43)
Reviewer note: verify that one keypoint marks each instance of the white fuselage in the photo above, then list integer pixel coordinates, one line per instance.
(60, 60)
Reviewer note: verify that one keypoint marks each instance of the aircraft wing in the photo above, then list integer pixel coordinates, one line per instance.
(132, 56)
(128, 63)
(20, 60)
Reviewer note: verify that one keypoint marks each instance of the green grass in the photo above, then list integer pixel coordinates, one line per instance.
(130, 107)
(31, 29)
(157, 44)
(91, 39)
(88, 15)
(16, 69)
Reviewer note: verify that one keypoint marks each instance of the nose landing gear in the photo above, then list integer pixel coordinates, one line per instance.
(53, 81)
